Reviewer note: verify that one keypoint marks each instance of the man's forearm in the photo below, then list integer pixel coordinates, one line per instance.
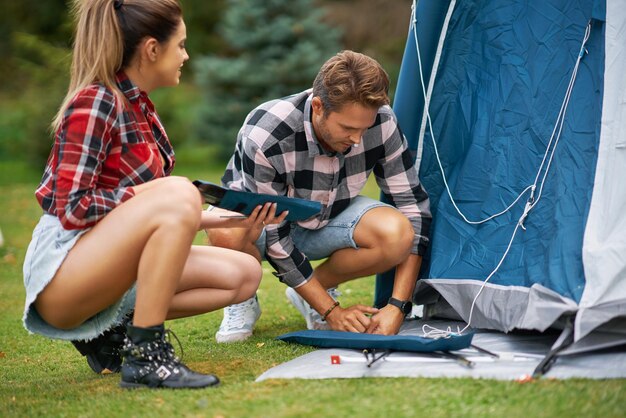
(406, 277)
(315, 294)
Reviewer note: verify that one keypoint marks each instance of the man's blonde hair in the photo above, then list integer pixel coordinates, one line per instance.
(351, 77)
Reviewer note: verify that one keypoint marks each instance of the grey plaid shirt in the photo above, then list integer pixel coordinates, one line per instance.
(277, 153)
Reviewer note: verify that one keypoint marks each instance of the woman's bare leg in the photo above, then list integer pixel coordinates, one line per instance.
(147, 239)
(213, 278)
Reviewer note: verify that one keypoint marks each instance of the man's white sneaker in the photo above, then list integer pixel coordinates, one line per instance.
(311, 316)
(239, 320)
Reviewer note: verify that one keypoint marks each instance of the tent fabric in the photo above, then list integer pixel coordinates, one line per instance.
(409, 343)
(495, 77)
(604, 245)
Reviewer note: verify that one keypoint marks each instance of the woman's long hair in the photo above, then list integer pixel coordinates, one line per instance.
(107, 35)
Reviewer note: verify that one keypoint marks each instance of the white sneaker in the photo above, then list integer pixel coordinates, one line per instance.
(311, 316)
(239, 320)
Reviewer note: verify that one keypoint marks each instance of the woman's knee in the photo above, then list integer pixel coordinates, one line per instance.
(248, 277)
(179, 202)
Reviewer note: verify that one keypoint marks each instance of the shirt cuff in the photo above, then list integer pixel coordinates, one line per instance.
(420, 245)
(297, 276)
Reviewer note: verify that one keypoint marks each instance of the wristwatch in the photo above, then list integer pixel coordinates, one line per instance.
(405, 306)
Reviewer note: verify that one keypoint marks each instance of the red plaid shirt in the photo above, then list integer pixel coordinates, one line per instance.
(102, 149)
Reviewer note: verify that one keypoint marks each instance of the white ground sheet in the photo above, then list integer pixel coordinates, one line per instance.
(520, 353)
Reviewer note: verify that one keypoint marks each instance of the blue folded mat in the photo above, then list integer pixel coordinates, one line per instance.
(413, 343)
(245, 202)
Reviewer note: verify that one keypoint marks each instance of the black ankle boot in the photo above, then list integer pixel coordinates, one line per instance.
(103, 352)
(149, 361)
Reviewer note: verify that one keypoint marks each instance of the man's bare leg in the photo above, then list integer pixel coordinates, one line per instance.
(384, 237)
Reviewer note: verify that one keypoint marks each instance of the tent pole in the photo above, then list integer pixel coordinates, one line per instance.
(564, 341)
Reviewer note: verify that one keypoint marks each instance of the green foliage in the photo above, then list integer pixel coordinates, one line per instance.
(35, 42)
(277, 47)
(201, 18)
(177, 108)
(25, 118)
(266, 50)
(46, 19)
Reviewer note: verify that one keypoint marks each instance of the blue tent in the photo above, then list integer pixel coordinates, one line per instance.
(520, 107)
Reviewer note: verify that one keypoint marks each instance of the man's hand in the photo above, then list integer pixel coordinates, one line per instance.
(386, 322)
(352, 319)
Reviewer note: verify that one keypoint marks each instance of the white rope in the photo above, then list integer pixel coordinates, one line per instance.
(433, 332)
(432, 135)
(436, 333)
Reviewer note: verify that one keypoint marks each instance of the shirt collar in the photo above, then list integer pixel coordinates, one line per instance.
(315, 148)
(132, 92)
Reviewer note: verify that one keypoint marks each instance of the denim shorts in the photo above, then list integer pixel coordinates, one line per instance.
(46, 252)
(317, 244)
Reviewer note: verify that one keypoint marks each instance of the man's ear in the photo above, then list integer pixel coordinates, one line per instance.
(318, 106)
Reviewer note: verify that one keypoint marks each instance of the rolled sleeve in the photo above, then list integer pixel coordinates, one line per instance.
(259, 175)
(294, 270)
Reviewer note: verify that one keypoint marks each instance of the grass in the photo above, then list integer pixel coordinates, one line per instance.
(41, 377)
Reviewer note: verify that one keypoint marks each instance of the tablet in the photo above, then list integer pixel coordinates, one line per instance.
(245, 202)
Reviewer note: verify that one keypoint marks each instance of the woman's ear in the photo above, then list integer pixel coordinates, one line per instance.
(150, 49)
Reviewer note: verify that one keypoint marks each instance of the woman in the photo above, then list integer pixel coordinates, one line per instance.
(115, 238)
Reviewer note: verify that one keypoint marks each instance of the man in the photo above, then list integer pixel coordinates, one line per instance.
(321, 145)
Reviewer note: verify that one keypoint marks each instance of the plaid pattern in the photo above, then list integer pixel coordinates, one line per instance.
(102, 149)
(277, 153)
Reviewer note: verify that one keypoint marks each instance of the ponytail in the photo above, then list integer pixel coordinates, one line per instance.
(98, 49)
(107, 35)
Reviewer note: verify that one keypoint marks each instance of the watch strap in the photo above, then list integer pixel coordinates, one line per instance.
(405, 306)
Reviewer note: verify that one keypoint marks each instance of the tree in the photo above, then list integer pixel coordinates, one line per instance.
(276, 49)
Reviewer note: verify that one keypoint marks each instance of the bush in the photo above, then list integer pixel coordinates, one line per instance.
(27, 115)
(277, 47)
(177, 107)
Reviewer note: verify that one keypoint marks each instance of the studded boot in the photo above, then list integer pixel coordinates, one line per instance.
(149, 361)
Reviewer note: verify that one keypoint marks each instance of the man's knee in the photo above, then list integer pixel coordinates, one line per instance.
(399, 230)
(390, 230)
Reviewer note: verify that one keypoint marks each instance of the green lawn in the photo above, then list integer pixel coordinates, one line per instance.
(40, 377)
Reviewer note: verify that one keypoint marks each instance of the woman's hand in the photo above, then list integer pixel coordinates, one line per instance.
(260, 216)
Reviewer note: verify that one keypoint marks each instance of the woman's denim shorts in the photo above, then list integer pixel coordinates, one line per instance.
(317, 244)
(48, 248)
